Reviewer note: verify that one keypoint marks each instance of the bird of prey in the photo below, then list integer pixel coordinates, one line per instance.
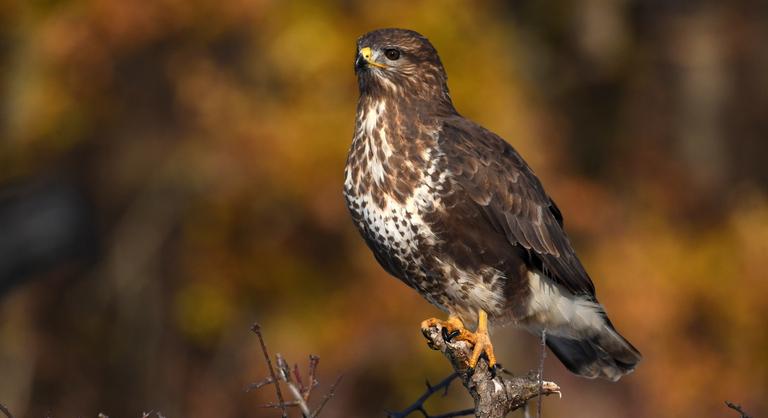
(452, 210)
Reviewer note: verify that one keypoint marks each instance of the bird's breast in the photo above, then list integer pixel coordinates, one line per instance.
(393, 186)
(398, 220)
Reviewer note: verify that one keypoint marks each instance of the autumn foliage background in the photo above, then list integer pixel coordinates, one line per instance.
(171, 171)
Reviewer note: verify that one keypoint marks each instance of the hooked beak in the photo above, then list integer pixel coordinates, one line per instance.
(365, 58)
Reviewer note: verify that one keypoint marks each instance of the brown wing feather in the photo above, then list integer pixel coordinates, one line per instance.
(512, 200)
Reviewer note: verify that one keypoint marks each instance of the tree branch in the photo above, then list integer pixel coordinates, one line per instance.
(495, 396)
(285, 374)
(256, 328)
(418, 405)
(292, 379)
(737, 408)
(326, 398)
(5, 411)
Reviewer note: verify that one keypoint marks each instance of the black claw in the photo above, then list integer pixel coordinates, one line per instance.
(470, 371)
(449, 336)
(495, 369)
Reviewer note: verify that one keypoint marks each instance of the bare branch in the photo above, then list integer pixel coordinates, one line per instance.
(418, 405)
(462, 413)
(256, 328)
(285, 375)
(299, 380)
(542, 356)
(495, 395)
(283, 369)
(277, 405)
(293, 381)
(299, 399)
(737, 408)
(259, 384)
(326, 398)
(5, 411)
(313, 362)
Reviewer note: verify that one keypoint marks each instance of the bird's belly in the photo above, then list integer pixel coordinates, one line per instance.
(397, 229)
(399, 236)
(472, 288)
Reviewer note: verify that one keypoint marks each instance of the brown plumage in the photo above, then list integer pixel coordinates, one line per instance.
(452, 210)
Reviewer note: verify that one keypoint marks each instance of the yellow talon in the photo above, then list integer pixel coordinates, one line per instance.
(479, 339)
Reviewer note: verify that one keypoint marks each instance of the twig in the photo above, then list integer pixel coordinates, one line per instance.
(737, 408)
(542, 356)
(5, 411)
(418, 405)
(305, 412)
(299, 381)
(495, 395)
(277, 405)
(285, 375)
(462, 413)
(293, 381)
(313, 362)
(283, 368)
(259, 384)
(256, 328)
(327, 397)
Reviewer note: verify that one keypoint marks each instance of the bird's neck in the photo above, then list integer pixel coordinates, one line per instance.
(403, 117)
(395, 127)
(393, 146)
(422, 99)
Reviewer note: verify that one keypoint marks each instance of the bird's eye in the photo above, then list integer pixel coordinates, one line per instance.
(392, 54)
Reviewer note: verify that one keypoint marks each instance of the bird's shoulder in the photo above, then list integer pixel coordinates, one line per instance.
(488, 165)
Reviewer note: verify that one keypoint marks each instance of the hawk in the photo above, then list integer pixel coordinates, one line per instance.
(453, 211)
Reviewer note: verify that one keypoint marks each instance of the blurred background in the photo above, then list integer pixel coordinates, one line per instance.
(171, 172)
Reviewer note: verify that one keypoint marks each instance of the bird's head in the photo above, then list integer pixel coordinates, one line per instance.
(400, 63)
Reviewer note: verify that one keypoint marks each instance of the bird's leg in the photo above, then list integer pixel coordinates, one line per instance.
(482, 342)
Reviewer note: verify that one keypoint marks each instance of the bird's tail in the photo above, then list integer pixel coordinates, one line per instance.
(605, 354)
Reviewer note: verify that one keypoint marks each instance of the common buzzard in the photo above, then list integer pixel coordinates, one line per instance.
(452, 210)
